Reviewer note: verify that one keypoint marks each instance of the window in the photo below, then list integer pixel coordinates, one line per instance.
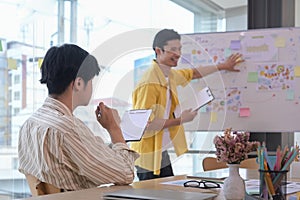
(9, 80)
(17, 79)
(17, 96)
(16, 111)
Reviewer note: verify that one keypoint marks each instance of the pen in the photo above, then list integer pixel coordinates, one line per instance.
(99, 113)
(268, 179)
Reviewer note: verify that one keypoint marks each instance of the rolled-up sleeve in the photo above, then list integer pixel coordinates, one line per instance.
(90, 157)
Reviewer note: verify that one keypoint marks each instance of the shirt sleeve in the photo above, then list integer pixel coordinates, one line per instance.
(183, 76)
(89, 156)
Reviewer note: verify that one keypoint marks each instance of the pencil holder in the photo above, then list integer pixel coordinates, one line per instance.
(273, 184)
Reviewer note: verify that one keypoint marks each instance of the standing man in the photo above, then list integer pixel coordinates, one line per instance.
(58, 148)
(157, 90)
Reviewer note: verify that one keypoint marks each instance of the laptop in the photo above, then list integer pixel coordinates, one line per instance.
(159, 194)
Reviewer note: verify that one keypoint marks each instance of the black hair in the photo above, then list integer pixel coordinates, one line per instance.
(162, 37)
(63, 64)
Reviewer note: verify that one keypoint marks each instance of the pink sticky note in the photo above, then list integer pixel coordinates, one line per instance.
(244, 112)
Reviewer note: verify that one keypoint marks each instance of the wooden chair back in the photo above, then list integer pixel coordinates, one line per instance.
(38, 188)
(211, 163)
(249, 163)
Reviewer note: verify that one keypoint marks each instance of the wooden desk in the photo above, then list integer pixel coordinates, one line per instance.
(97, 193)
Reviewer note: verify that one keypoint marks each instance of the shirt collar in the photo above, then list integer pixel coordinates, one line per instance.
(58, 106)
(160, 75)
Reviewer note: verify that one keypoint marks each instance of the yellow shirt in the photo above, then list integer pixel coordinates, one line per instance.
(150, 93)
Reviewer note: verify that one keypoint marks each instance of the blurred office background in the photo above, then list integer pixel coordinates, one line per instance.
(29, 28)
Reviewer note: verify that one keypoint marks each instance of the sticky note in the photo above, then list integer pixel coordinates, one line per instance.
(12, 63)
(213, 117)
(297, 71)
(280, 42)
(290, 95)
(40, 61)
(235, 45)
(244, 112)
(227, 52)
(203, 109)
(252, 77)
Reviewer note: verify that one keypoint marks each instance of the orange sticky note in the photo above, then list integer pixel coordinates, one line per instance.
(244, 112)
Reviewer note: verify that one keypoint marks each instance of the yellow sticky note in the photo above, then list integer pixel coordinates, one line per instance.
(12, 63)
(213, 117)
(40, 61)
(280, 42)
(297, 71)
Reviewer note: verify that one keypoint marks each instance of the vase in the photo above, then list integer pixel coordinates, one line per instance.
(234, 185)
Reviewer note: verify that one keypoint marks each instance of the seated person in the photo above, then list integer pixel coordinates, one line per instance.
(58, 148)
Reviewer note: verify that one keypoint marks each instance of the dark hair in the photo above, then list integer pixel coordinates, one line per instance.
(64, 64)
(162, 37)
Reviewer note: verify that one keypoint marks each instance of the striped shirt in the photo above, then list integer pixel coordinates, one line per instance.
(58, 148)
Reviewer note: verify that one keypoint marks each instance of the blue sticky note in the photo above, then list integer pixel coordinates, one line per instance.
(227, 52)
(203, 109)
(235, 45)
(290, 94)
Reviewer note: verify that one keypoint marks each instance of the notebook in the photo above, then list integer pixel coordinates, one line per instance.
(163, 194)
(133, 124)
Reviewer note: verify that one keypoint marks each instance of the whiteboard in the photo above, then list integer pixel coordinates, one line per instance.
(263, 97)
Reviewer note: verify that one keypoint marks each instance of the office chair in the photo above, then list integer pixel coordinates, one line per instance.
(38, 188)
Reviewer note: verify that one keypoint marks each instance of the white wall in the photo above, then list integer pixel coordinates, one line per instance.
(236, 19)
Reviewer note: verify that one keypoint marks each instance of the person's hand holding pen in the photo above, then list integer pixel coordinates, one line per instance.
(110, 120)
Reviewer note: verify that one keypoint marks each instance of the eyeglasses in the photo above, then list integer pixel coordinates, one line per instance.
(202, 184)
(173, 50)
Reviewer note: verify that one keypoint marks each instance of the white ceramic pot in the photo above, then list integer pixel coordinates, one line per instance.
(234, 185)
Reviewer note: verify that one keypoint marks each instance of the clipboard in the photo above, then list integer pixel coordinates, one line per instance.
(133, 124)
(204, 97)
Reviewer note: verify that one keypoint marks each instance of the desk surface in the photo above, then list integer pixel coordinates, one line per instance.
(97, 193)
